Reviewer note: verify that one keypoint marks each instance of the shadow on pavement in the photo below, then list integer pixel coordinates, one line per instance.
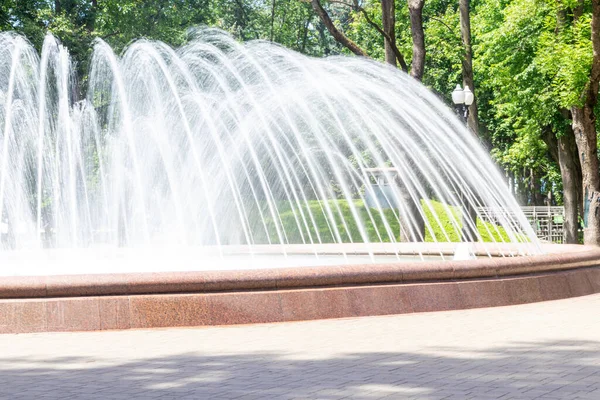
(551, 370)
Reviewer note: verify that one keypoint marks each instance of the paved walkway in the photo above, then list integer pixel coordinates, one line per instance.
(547, 350)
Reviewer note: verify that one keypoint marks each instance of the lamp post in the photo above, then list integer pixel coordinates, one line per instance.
(462, 99)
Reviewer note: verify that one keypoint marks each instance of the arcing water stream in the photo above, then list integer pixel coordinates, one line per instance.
(220, 143)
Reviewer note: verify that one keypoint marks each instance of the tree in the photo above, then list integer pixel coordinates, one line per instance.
(570, 57)
(529, 126)
(584, 127)
(567, 154)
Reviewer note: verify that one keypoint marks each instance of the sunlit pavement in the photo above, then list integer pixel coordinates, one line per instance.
(546, 350)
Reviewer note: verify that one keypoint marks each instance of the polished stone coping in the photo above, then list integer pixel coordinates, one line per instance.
(151, 300)
(557, 257)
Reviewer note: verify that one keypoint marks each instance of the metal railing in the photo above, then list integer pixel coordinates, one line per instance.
(547, 222)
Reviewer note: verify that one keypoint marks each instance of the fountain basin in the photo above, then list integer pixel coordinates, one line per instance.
(200, 298)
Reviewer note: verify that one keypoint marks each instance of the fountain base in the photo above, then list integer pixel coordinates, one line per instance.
(201, 298)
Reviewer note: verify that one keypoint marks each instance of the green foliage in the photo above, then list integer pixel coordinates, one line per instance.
(25, 17)
(442, 40)
(565, 56)
(517, 102)
(444, 49)
(121, 21)
(360, 31)
(78, 23)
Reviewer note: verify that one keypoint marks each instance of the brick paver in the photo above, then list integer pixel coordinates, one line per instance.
(546, 350)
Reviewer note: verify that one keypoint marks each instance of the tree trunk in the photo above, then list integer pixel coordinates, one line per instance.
(467, 62)
(415, 9)
(389, 41)
(272, 33)
(337, 34)
(469, 232)
(585, 137)
(91, 18)
(564, 152)
(561, 16)
(323, 38)
(570, 172)
(305, 35)
(388, 19)
(470, 218)
(412, 222)
(584, 128)
(537, 199)
(578, 10)
(520, 188)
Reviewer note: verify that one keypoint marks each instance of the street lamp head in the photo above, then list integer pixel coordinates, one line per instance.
(469, 97)
(458, 95)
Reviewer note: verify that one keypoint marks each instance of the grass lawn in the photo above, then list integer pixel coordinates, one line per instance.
(441, 229)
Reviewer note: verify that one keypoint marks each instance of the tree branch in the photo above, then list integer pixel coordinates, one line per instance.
(447, 26)
(399, 56)
(357, 7)
(336, 33)
(110, 35)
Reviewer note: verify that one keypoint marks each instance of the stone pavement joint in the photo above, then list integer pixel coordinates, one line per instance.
(545, 350)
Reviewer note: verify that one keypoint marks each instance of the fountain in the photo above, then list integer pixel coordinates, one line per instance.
(175, 166)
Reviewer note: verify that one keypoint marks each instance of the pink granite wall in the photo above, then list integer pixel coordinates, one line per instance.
(82, 313)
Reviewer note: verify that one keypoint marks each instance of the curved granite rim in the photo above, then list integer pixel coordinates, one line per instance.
(557, 258)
